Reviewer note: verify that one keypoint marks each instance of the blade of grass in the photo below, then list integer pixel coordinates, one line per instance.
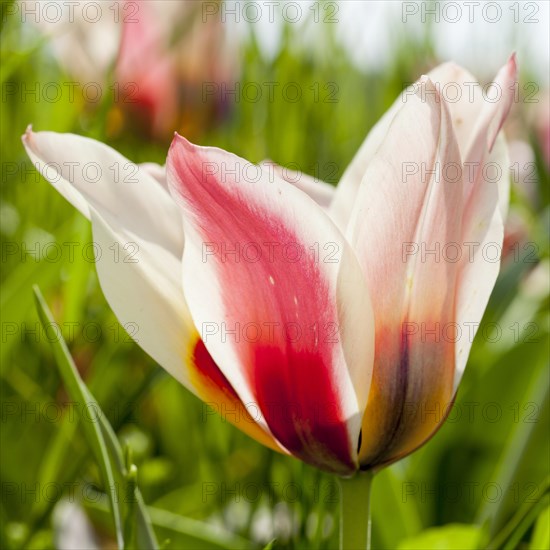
(77, 390)
(131, 499)
(541, 534)
(56, 458)
(389, 499)
(182, 531)
(101, 434)
(145, 531)
(197, 530)
(513, 453)
(514, 540)
(510, 536)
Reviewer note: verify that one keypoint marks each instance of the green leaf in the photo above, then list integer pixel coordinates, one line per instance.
(513, 453)
(541, 536)
(454, 536)
(131, 487)
(517, 526)
(193, 533)
(182, 532)
(100, 435)
(144, 531)
(79, 393)
(390, 500)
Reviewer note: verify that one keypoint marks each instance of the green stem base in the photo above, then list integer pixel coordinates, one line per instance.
(355, 512)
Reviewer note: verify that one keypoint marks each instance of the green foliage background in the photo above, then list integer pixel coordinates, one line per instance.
(207, 484)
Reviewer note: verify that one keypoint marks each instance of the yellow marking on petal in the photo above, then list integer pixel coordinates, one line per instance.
(396, 423)
(223, 399)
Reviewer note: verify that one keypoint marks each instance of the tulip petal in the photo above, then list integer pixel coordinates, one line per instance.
(321, 192)
(486, 192)
(345, 195)
(408, 210)
(464, 97)
(156, 171)
(144, 262)
(301, 346)
(494, 113)
(138, 235)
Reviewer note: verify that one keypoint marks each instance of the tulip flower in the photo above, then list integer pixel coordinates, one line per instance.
(324, 321)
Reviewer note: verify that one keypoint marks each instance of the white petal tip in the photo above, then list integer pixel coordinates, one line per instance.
(28, 133)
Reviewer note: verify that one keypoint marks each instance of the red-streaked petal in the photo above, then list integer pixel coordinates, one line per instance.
(410, 202)
(138, 238)
(303, 347)
(215, 390)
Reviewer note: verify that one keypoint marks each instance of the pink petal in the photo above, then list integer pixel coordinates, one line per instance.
(410, 202)
(485, 207)
(465, 103)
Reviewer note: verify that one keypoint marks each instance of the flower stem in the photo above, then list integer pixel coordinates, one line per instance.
(355, 512)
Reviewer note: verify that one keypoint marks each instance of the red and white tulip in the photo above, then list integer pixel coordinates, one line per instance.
(308, 309)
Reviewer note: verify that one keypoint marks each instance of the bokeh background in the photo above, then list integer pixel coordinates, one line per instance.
(130, 78)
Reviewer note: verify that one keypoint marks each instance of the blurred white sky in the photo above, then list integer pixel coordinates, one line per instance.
(477, 34)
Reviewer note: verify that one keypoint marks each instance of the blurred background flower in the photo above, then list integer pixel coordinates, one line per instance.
(156, 57)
